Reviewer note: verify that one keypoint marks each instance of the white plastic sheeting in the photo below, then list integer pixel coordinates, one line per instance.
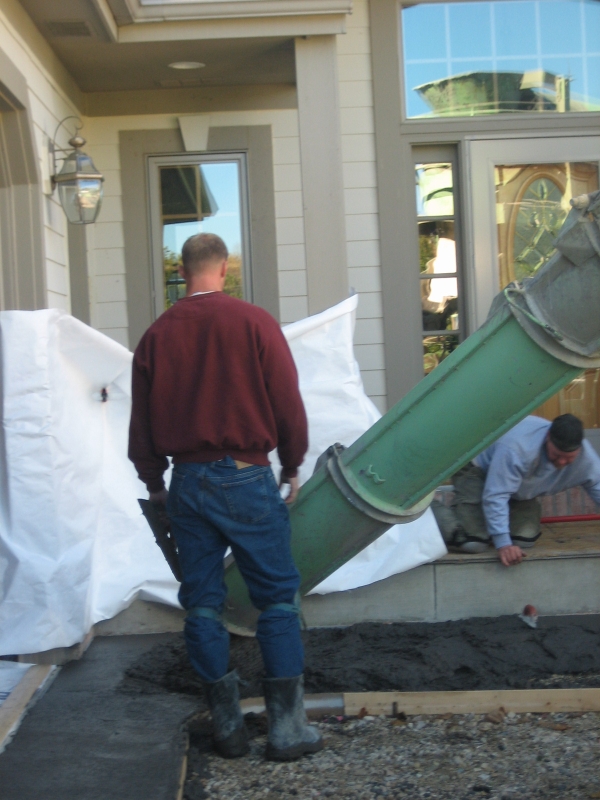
(74, 548)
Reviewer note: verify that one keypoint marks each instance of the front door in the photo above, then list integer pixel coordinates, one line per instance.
(519, 196)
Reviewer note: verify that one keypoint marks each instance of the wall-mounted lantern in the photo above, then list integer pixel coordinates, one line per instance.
(79, 182)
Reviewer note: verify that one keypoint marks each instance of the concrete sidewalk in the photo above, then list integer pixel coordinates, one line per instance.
(85, 739)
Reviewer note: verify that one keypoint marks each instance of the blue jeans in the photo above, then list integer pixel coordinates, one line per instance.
(213, 506)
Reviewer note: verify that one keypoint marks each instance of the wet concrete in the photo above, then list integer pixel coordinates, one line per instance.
(87, 739)
(484, 653)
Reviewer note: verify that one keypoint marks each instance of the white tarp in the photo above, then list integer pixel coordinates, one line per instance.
(74, 548)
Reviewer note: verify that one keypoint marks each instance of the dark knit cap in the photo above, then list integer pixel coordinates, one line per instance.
(566, 433)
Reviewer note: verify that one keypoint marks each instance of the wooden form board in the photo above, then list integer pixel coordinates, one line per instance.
(535, 701)
(184, 765)
(15, 705)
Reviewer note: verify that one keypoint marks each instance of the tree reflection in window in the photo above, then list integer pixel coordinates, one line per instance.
(190, 204)
(539, 218)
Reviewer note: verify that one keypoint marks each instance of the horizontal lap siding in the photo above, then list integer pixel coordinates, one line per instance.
(49, 104)
(107, 257)
(106, 261)
(362, 225)
(106, 249)
(289, 210)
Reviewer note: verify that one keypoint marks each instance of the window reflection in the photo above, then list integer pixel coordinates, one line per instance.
(437, 261)
(504, 56)
(439, 295)
(532, 201)
(435, 193)
(436, 349)
(581, 397)
(200, 198)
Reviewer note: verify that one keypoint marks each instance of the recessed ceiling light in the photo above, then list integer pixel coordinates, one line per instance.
(187, 65)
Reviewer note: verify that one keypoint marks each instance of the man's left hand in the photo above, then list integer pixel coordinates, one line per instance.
(510, 555)
(294, 487)
(159, 498)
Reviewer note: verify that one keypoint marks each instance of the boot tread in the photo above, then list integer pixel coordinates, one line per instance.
(235, 745)
(293, 752)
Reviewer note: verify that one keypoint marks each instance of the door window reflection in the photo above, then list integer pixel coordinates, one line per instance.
(201, 198)
(532, 202)
(439, 286)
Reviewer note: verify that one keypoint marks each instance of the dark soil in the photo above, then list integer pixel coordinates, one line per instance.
(484, 653)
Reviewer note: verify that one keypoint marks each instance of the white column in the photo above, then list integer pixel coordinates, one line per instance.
(321, 167)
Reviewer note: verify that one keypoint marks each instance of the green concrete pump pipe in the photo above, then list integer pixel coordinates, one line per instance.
(539, 336)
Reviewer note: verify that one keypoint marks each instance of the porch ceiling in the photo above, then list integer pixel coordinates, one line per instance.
(81, 39)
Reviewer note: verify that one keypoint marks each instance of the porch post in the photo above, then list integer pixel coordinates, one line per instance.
(321, 169)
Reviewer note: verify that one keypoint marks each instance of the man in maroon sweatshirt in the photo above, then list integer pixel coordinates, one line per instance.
(215, 387)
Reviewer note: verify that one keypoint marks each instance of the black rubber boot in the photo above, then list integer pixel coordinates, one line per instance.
(230, 737)
(290, 735)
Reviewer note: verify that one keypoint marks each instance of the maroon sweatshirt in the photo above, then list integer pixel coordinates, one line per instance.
(214, 376)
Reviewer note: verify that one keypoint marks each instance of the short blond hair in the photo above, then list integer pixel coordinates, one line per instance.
(202, 250)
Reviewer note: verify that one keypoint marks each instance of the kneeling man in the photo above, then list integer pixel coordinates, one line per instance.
(495, 495)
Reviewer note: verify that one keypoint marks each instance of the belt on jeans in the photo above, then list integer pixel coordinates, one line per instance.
(242, 464)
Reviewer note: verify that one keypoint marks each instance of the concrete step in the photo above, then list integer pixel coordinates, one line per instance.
(560, 575)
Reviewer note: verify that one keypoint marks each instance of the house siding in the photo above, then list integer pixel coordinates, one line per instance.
(49, 103)
(53, 96)
(106, 247)
(360, 196)
(105, 238)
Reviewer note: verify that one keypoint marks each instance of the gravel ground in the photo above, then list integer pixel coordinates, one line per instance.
(501, 757)
(505, 757)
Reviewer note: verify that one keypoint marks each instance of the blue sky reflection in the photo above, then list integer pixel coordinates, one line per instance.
(223, 179)
(443, 40)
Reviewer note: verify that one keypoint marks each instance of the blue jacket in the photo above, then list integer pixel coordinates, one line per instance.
(517, 467)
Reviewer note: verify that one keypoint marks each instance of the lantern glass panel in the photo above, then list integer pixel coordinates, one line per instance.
(80, 196)
(81, 199)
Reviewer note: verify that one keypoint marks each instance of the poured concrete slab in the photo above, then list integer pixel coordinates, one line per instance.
(142, 616)
(560, 575)
(407, 596)
(555, 586)
(85, 739)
